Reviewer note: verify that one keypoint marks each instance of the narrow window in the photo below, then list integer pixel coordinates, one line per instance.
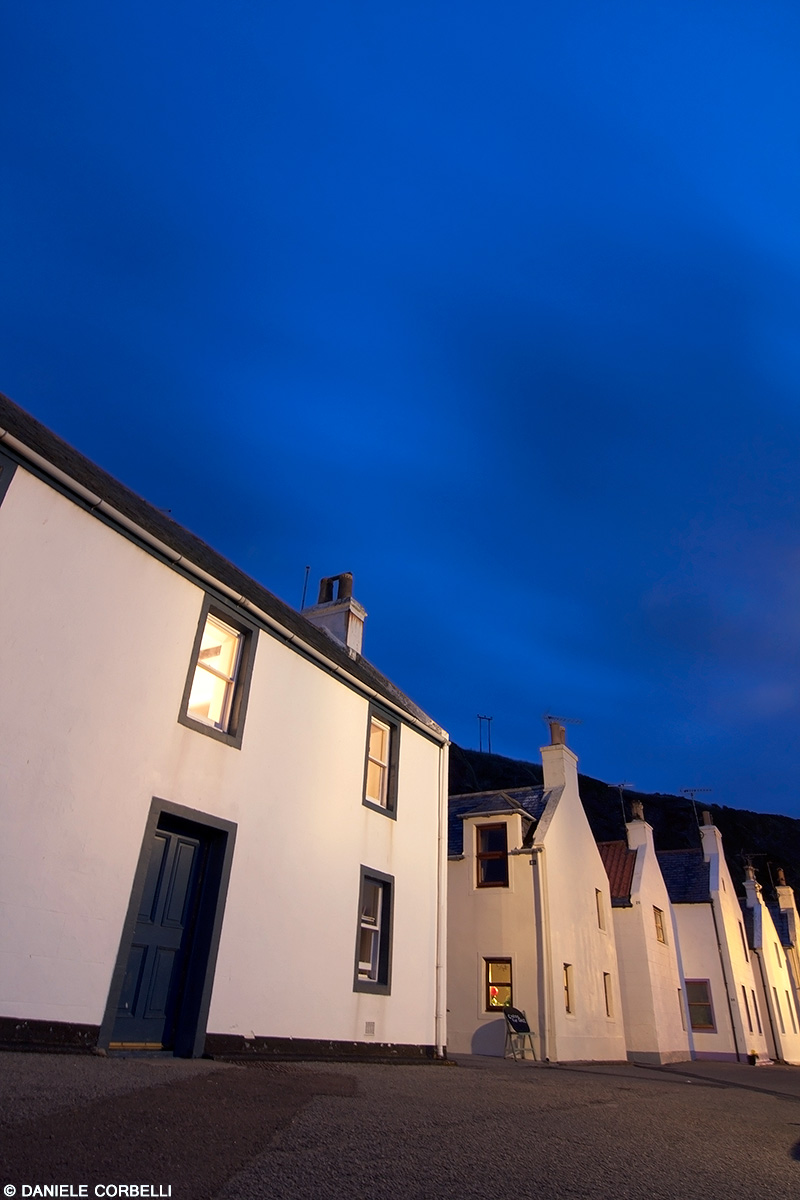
(701, 1014)
(569, 998)
(778, 1009)
(601, 916)
(380, 774)
(778, 955)
(373, 936)
(790, 1007)
(682, 1011)
(658, 916)
(747, 1008)
(492, 856)
(498, 983)
(744, 942)
(607, 994)
(755, 1010)
(216, 691)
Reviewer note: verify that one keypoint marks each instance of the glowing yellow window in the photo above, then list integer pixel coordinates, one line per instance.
(215, 674)
(378, 762)
(498, 983)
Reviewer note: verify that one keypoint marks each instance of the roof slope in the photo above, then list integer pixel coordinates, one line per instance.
(42, 441)
(781, 922)
(619, 861)
(686, 874)
(531, 799)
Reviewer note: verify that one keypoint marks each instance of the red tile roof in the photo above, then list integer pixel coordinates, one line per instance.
(619, 862)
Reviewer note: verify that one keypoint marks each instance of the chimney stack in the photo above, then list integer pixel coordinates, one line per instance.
(338, 613)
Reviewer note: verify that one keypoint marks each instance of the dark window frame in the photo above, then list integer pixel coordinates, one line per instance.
(376, 713)
(381, 986)
(707, 1003)
(487, 984)
(234, 731)
(486, 856)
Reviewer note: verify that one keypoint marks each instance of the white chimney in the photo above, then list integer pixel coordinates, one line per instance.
(559, 764)
(338, 613)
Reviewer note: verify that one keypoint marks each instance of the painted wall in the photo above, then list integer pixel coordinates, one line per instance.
(98, 637)
(650, 981)
(773, 980)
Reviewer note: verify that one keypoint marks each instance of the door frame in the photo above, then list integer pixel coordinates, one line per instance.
(220, 835)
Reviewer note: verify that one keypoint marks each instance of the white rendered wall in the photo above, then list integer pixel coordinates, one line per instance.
(97, 641)
(773, 981)
(483, 923)
(650, 978)
(572, 870)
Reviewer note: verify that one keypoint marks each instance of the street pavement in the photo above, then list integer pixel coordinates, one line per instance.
(475, 1128)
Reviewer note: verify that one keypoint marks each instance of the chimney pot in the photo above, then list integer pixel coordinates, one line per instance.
(781, 877)
(637, 810)
(707, 818)
(338, 613)
(558, 734)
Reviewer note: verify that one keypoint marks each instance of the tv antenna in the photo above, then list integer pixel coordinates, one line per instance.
(691, 793)
(488, 721)
(305, 588)
(621, 788)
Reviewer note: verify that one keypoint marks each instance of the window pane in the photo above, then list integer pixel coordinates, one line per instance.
(379, 741)
(493, 870)
(219, 647)
(499, 995)
(208, 700)
(492, 838)
(371, 902)
(697, 992)
(368, 953)
(499, 972)
(376, 782)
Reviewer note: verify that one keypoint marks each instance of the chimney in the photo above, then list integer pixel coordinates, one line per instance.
(752, 887)
(338, 613)
(559, 764)
(637, 810)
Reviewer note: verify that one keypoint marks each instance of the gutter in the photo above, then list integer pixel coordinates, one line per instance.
(97, 505)
(541, 914)
(441, 914)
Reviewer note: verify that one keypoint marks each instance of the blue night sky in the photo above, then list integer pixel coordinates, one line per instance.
(495, 306)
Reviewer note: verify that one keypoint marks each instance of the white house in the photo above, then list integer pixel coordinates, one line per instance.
(774, 984)
(725, 1018)
(530, 920)
(223, 828)
(649, 972)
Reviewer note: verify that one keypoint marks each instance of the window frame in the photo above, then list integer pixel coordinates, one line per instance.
(569, 990)
(489, 983)
(233, 732)
(601, 911)
(707, 1003)
(482, 856)
(382, 984)
(382, 717)
(608, 994)
(661, 929)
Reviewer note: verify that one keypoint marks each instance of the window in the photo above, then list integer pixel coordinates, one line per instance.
(790, 1007)
(747, 1009)
(680, 1006)
(755, 1010)
(215, 696)
(498, 983)
(601, 916)
(380, 772)
(744, 942)
(607, 993)
(778, 1009)
(568, 992)
(698, 996)
(778, 955)
(374, 934)
(661, 932)
(492, 856)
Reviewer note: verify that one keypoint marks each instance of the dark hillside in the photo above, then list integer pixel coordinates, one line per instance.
(774, 841)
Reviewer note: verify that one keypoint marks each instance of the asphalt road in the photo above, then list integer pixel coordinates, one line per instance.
(482, 1128)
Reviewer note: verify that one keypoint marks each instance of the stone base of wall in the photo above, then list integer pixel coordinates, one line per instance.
(233, 1046)
(17, 1033)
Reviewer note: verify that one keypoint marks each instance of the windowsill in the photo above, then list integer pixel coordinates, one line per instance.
(205, 727)
(387, 812)
(373, 988)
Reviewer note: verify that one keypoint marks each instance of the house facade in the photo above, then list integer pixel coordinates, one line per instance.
(647, 948)
(224, 828)
(772, 971)
(530, 922)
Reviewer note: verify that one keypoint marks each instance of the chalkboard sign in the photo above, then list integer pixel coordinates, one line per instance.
(517, 1020)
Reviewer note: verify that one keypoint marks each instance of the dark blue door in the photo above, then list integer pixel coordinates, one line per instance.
(158, 960)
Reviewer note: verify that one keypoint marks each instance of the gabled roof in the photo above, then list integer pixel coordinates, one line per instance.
(686, 874)
(57, 453)
(619, 861)
(531, 799)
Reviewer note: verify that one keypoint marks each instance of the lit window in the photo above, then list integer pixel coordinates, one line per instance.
(498, 983)
(661, 932)
(698, 996)
(373, 938)
(492, 856)
(380, 776)
(215, 696)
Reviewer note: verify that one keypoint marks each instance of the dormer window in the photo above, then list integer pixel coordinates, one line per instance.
(492, 855)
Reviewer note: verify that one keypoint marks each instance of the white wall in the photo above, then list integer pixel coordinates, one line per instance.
(655, 1026)
(773, 981)
(97, 644)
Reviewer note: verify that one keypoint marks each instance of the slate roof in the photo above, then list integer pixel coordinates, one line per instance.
(781, 922)
(531, 799)
(619, 861)
(686, 874)
(60, 454)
